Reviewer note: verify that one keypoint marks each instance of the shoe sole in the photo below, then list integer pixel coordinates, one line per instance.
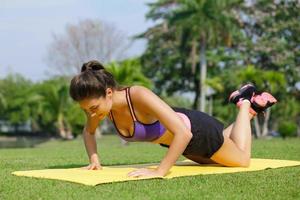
(236, 93)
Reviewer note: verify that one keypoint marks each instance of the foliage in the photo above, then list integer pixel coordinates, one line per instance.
(264, 50)
(287, 128)
(254, 41)
(15, 93)
(184, 28)
(47, 105)
(54, 104)
(272, 29)
(177, 100)
(128, 72)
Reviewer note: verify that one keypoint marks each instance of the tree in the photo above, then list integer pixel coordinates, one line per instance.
(196, 22)
(128, 72)
(271, 30)
(15, 90)
(54, 106)
(271, 42)
(87, 40)
(208, 22)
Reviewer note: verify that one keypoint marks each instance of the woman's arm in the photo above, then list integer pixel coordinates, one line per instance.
(168, 117)
(90, 142)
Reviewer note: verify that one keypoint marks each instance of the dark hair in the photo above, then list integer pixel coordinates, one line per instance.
(92, 82)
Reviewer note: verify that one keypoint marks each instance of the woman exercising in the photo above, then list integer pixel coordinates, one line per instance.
(140, 115)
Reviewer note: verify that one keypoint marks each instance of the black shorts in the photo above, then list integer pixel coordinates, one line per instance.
(207, 133)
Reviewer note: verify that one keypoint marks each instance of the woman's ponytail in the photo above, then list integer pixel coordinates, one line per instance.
(92, 82)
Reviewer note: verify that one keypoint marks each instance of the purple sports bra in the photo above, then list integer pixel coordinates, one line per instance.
(141, 131)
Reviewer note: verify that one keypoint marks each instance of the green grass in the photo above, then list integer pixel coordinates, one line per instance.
(283, 183)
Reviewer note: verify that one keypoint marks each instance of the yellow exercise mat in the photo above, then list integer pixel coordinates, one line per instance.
(119, 173)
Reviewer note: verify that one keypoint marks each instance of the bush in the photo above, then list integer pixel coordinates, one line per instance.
(287, 129)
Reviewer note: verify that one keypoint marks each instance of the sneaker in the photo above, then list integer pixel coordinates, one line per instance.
(260, 102)
(245, 92)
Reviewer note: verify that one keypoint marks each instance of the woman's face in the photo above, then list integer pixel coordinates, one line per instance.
(97, 107)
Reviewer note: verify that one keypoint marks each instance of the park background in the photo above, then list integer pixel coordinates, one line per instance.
(192, 53)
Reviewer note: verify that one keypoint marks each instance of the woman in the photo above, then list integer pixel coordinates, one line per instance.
(139, 115)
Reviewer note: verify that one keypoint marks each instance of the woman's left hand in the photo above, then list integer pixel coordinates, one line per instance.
(144, 172)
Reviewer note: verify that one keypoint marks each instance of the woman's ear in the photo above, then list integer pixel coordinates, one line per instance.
(109, 92)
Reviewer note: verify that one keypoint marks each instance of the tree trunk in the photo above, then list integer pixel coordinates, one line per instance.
(210, 105)
(262, 130)
(64, 129)
(194, 63)
(61, 127)
(202, 73)
(69, 134)
(98, 133)
(257, 127)
(265, 128)
(34, 126)
(194, 56)
(197, 91)
(298, 127)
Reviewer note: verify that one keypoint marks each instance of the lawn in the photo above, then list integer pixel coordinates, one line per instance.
(283, 183)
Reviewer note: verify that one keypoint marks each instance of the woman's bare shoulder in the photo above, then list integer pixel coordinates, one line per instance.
(138, 90)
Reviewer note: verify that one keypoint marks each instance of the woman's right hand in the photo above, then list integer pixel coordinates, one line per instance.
(93, 166)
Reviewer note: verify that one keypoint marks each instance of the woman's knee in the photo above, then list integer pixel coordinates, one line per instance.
(230, 155)
(245, 162)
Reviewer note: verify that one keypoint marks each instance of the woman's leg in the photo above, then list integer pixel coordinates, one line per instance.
(227, 131)
(236, 149)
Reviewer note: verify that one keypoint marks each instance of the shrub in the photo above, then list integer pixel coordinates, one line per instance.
(287, 129)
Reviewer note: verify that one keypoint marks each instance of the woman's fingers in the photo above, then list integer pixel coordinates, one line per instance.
(85, 167)
(137, 173)
(92, 167)
(99, 167)
(96, 167)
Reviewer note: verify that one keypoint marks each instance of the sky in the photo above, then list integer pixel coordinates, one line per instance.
(27, 26)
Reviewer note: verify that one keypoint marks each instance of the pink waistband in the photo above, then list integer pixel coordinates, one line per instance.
(185, 119)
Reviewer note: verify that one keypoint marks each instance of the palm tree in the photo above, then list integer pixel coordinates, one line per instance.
(55, 104)
(129, 72)
(209, 25)
(13, 100)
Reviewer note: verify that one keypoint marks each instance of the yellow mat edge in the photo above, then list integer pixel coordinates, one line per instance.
(291, 163)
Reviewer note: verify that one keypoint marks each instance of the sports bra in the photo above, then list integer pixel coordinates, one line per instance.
(141, 131)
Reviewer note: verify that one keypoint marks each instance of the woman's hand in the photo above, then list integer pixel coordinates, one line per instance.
(144, 172)
(93, 166)
(94, 163)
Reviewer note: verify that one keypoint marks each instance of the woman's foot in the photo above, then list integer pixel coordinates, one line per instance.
(260, 102)
(245, 92)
